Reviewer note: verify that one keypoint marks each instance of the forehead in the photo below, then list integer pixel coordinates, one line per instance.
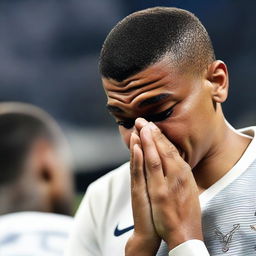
(150, 74)
(155, 83)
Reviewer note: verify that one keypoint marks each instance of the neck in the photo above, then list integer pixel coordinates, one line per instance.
(19, 197)
(226, 152)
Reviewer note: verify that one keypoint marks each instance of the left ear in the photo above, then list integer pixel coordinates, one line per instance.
(47, 167)
(217, 75)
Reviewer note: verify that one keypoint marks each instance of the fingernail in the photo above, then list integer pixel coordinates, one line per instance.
(142, 121)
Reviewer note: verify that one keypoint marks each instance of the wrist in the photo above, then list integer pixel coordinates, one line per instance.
(176, 238)
(141, 246)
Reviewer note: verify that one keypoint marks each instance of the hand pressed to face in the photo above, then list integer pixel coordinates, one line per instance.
(144, 240)
(171, 188)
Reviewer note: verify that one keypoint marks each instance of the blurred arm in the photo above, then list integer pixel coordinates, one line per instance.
(82, 241)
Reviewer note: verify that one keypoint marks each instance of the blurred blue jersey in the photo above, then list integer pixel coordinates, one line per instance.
(33, 234)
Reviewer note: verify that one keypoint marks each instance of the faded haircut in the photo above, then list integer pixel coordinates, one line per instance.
(20, 126)
(145, 37)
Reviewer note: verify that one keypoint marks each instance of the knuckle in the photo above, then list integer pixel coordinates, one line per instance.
(180, 184)
(155, 165)
(170, 152)
(178, 187)
(160, 197)
(136, 173)
(181, 181)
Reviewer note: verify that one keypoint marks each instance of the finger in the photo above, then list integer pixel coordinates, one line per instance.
(136, 161)
(139, 196)
(136, 131)
(137, 173)
(152, 161)
(140, 123)
(134, 139)
(172, 162)
(161, 141)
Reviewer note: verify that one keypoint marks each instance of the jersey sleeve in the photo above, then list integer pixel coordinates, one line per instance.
(83, 238)
(190, 248)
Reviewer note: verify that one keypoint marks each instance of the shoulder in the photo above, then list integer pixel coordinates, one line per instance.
(35, 220)
(108, 192)
(113, 180)
(34, 233)
(101, 204)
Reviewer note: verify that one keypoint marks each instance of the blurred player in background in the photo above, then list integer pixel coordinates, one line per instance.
(36, 182)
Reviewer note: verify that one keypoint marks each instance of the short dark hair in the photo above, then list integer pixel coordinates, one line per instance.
(18, 132)
(145, 37)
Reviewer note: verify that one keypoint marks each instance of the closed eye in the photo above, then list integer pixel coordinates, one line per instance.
(128, 123)
(158, 117)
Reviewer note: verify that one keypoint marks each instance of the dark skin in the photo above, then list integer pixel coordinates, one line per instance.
(180, 145)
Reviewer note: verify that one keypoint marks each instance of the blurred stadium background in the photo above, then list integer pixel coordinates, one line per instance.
(48, 57)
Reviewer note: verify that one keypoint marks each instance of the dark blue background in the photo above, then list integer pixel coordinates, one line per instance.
(49, 51)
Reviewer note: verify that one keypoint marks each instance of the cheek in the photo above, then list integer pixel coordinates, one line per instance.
(125, 134)
(174, 130)
(175, 133)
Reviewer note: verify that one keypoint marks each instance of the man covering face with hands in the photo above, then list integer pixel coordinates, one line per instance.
(164, 193)
(189, 186)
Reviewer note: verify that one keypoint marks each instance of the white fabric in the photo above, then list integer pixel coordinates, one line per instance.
(106, 207)
(190, 248)
(34, 234)
(241, 166)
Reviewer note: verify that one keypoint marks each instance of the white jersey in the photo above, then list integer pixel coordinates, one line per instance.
(34, 234)
(104, 220)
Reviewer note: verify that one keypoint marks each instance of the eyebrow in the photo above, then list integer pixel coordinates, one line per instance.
(146, 102)
(154, 99)
(114, 109)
